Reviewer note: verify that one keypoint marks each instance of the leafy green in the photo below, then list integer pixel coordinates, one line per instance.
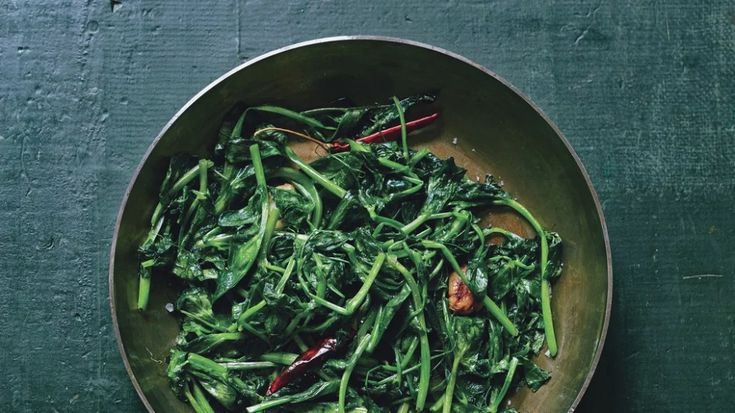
(358, 248)
(243, 256)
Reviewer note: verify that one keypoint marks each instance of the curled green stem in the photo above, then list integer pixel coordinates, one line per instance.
(543, 260)
(306, 187)
(330, 186)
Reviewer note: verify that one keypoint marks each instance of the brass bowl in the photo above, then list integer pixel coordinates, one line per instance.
(497, 129)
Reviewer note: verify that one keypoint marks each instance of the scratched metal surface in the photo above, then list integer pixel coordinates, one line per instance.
(643, 90)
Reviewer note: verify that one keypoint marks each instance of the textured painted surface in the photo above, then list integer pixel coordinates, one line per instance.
(643, 91)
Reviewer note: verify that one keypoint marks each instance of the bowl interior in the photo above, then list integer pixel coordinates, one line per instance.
(486, 126)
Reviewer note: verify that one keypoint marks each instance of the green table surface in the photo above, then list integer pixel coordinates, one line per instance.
(644, 90)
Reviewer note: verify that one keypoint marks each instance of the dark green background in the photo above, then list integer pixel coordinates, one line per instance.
(644, 90)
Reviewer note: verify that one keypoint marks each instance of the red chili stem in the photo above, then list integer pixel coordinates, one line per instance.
(309, 359)
(389, 133)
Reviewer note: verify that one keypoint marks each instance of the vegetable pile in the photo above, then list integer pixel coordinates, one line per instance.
(360, 282)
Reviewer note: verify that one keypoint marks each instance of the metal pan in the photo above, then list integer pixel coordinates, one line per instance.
(487, 125)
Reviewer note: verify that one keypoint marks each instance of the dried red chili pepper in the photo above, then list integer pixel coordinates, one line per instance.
(309, 359)
(389, 133)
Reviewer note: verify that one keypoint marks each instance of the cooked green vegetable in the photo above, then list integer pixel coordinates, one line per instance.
(325, 286)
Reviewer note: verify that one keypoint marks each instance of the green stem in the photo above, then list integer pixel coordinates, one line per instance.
(406, 371)
(329, 322)
(144, 283)
(144, 278)
(286, 275)
(219, 241)
(237, 129)
(460, 220)
(144, 288)
(188, 177)
(405, 193)
(223, 198)
(339, 212)
(404, 134)
(404, 408)
(321, 287)
(418, 156)
(155, 218)
(383, 220)
(272, 267)
(248, 365)
(316, 390)
(406, 358)
(197, 399)
(251, 311)
(225, 193)
(438, 404)
(258, 165)
(348, 371)
(423, 234)
(203, 167)
(270, 226)
(299, 117)
(204, 364)
(441, 215)
(375, 335)
(545, 286)
(284, 359)
(321, 110)
(306, 187)
(548, 320)
(268, 404)
(499, 314)
(252, 330)
(518, 207)
(315, 175)
(506, 385)
(398, 167)
(449, 393)
(411, 226)
(499, 231)
(204, 321)
(425, 372)
(356, 301)
(185, 230)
